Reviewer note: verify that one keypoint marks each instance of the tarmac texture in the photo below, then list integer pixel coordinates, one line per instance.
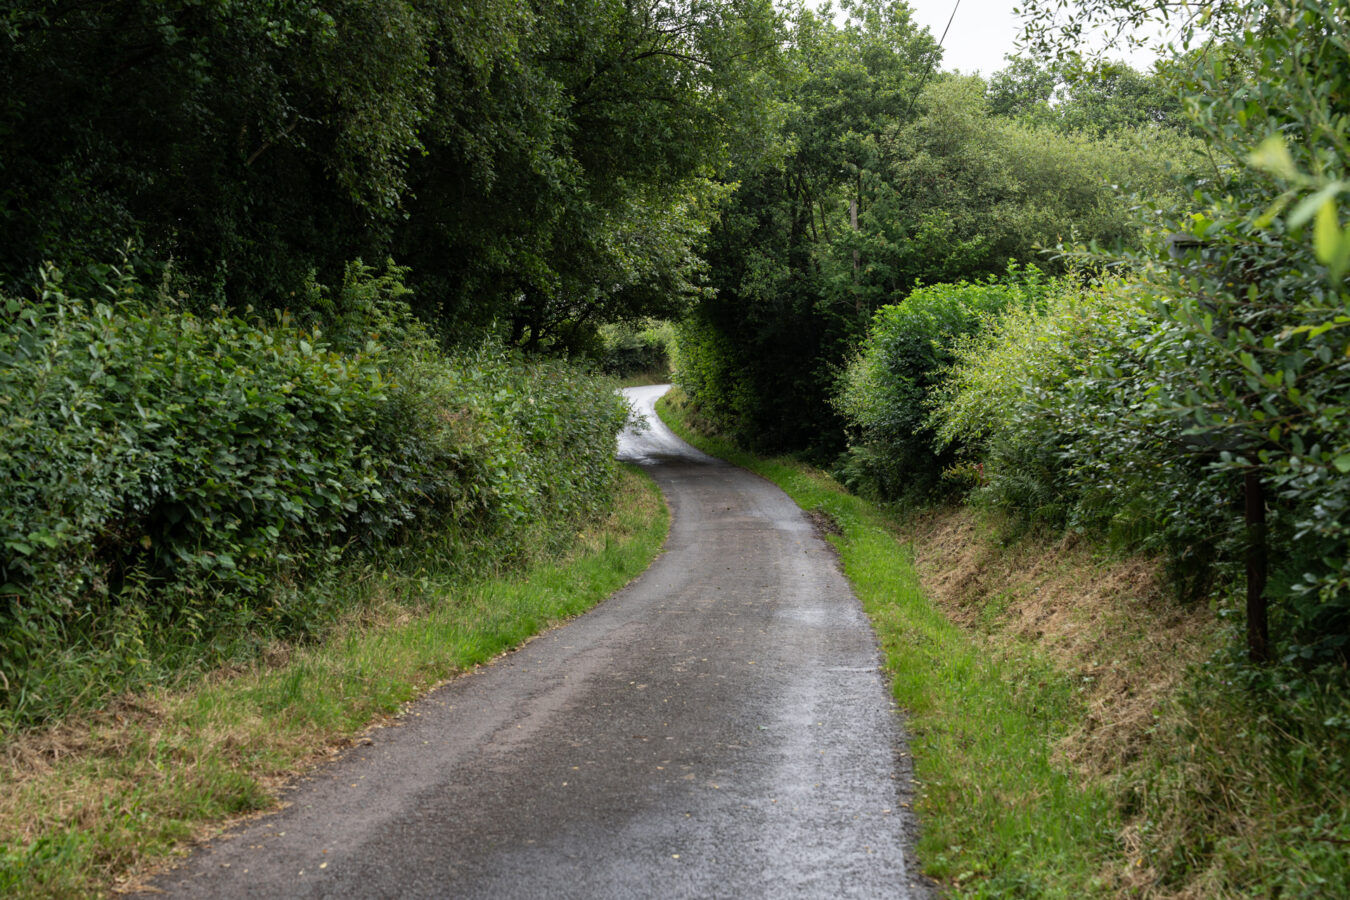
(718, 728)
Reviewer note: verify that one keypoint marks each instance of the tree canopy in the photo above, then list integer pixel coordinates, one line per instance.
(883, 182)
(536, 164)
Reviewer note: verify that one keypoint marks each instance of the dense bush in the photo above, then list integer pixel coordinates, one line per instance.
(1071, 416)
(1198, 404)
(1052, 411)
(629, 350)
(167, 479)
(885, 393)
(707, 370)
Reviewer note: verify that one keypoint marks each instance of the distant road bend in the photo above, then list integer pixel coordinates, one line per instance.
(719, 728)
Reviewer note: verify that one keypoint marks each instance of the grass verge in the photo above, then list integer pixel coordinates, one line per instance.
(93, 806)
(1076, 731)
(999, 816)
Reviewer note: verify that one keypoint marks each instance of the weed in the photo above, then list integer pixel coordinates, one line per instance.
(1075, 731)
(92, 805)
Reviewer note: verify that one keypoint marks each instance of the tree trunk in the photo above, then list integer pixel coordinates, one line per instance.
(1258, 629)
(853, 223)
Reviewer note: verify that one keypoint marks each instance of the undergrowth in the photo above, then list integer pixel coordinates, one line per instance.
(94, 803)
(1076, 732)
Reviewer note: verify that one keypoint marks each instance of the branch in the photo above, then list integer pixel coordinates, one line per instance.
(267, 145)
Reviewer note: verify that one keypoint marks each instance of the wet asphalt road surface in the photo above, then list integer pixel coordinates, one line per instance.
(719, 728)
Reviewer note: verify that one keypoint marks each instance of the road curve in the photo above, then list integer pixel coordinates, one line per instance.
(719, 728)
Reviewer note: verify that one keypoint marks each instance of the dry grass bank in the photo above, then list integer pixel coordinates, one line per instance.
(1216, 795)
(1112, 623)
(95, 804)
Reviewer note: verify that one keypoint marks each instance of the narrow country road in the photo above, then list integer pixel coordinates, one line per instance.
(719, 728)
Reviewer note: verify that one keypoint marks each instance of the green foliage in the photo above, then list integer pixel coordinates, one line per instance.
(943, 188)
(629, 351)
(959, 191)
(169, 478)
(570, 155)
(885, 393)
(1265, 295)
(542, 167)
(708, 370)
(767, 338)
(1073, 96)
(1248, 358)
(248, 141)
(1054, 411)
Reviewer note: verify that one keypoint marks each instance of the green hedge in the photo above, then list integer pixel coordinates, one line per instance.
(1082, 415)
(885, 393)
(170, 483)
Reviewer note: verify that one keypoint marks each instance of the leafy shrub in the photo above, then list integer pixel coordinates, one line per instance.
(167, 481)
(1077, 415)
(884, 394)
(1247, 357)
(627, 351)
(1054, 408)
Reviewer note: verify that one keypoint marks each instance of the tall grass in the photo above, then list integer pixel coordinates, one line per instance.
(94, 804)
(998, 816)
(1217, 793)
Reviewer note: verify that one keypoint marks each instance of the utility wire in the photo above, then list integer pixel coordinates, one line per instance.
(932, 58)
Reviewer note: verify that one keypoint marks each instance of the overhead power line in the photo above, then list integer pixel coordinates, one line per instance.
(932, 59)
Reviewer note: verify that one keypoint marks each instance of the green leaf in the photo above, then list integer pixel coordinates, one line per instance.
(1327, 233)
(1273, 157)
(1342, 463)
(1312, 203)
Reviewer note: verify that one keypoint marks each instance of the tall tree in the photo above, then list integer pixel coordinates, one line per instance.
(589, 147)
(250, 141)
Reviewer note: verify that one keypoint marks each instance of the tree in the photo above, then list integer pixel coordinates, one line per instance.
(840, 88)
(519, 156)
(957, 192)
(593, 141)
(1075, 96)
(1023, 89)
(248, 141)
(1248, 277)
(879, 188)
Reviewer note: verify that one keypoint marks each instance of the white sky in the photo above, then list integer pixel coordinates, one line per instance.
(982, 32)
